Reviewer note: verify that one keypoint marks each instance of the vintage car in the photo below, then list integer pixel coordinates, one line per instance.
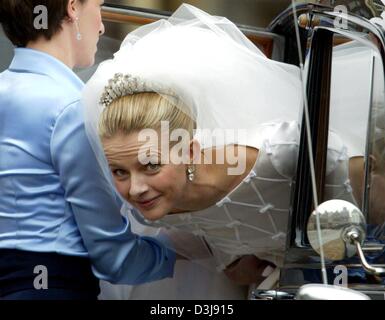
(341, 53)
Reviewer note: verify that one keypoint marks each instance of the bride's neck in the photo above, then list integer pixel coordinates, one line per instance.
(213, 182)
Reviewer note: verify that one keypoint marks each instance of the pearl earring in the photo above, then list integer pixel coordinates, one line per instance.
(78, 34)
(191, 173)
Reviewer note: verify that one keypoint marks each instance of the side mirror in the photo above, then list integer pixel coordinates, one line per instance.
(341, 235)
(342, 232)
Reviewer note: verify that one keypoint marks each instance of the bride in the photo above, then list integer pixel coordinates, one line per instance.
(200, 132)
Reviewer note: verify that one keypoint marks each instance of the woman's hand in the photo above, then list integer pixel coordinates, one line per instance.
(247, 270)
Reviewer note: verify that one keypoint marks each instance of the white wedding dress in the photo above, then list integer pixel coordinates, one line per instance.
(251, 219)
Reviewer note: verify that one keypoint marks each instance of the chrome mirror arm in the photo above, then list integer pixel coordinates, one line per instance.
(354, 236)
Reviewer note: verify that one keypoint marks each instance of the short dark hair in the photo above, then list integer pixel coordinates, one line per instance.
(17, 18)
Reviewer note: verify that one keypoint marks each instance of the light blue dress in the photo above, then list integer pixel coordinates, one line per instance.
(53, 196)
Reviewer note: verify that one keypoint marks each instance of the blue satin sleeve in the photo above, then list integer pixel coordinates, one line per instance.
(117, 254)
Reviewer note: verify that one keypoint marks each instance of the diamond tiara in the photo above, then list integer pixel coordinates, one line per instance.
(122, 85)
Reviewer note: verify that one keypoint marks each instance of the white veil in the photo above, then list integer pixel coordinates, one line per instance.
(211, 67)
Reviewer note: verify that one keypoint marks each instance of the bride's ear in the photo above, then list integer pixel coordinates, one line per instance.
(195, 151)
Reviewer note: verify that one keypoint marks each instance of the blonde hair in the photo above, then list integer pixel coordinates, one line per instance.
(144, 110)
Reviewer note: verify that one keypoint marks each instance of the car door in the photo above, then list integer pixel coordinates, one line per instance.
(344, 74)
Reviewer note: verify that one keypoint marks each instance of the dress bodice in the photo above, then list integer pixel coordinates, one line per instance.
(253, 217)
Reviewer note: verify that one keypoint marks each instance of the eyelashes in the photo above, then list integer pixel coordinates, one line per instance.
(153, 167)
(120, 173)
(150, 167)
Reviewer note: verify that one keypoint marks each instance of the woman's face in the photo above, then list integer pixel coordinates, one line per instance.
(91, 28)
(154, 189)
